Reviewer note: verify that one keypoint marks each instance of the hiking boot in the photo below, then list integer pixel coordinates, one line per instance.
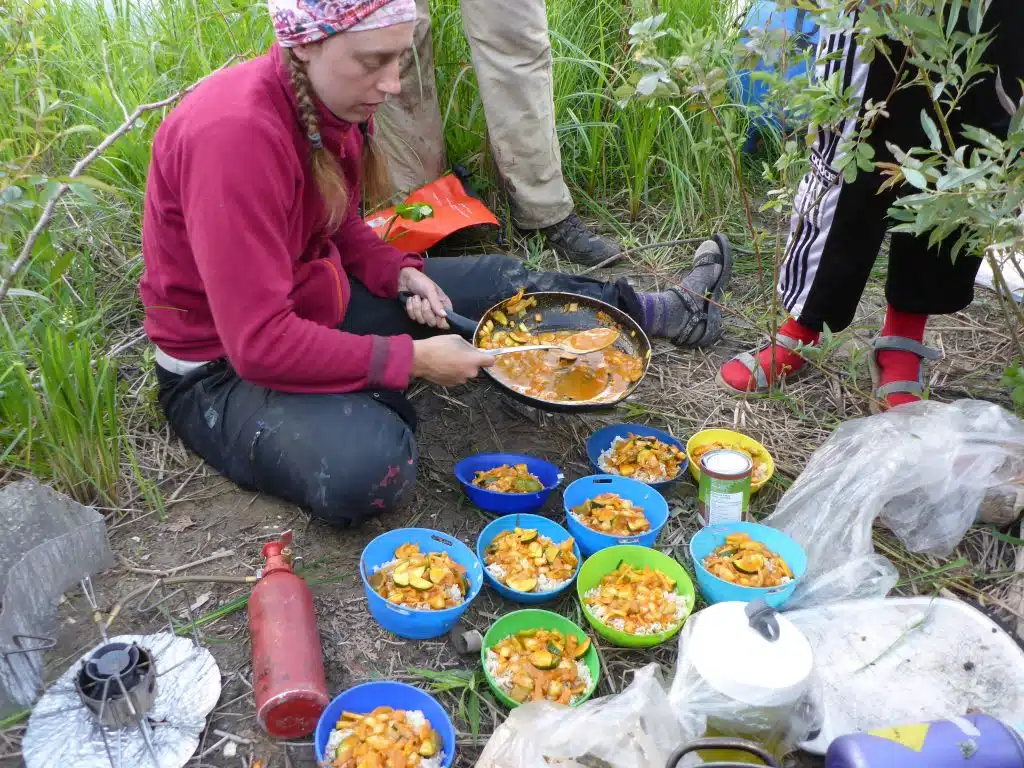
(573, 240)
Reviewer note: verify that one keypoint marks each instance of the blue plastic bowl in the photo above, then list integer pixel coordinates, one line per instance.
(411, 623)
(716, 590)
(544, 527)
(601, 441)
(642, 495)
(507, 503)
(363, 699)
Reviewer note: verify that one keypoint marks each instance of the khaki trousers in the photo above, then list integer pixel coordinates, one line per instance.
(511, 55)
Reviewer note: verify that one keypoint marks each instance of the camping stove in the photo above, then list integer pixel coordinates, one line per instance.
(118, 684)
(133, 701)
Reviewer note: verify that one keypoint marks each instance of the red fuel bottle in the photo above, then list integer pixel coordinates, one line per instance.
(287, 665)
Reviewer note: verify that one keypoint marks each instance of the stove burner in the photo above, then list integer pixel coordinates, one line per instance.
(118, 683)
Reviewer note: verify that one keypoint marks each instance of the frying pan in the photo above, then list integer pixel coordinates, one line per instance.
(552, 306)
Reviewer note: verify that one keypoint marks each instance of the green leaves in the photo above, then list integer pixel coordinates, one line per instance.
(1013, 380)
(931, 131)
(414, 211)
(958, 177)
(976, 13)
(463, 684)
(648, 26)
(954, 16)
(914, 177)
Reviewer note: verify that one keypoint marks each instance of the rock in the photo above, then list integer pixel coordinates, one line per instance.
(51, 542)
(1002, 506)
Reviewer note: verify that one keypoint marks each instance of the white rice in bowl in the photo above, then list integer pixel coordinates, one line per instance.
(504, 679)
(544, 582)
(605, 465)
(600, 612)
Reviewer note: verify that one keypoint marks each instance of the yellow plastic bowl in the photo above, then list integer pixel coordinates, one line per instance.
(729, 439)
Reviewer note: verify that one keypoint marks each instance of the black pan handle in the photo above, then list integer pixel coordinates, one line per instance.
(736, 745)
(461, 325)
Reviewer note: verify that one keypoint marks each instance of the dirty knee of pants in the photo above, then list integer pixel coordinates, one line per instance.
(361, 480)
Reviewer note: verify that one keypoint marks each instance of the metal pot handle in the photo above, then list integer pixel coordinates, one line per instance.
(738, 745)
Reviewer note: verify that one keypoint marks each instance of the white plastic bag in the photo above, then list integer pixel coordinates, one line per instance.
(920, 469)
(632, 729)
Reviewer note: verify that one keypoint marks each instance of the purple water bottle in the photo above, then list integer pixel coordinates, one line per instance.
(972, 741)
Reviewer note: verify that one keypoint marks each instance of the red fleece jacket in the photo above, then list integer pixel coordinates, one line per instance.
(238, 260)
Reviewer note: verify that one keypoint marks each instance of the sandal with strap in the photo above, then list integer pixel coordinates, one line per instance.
(707, 310)
(913, 388)
(749, 360)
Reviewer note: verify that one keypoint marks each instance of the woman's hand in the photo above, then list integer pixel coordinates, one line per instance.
(428, 305)
(448, 360)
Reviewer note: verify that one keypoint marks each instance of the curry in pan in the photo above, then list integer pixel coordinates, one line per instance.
(552, 375)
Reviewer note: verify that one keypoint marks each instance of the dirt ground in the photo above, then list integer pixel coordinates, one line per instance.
(208, 514)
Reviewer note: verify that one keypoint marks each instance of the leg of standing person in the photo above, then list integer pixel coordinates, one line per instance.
(836, 232)
(511, 52)
(925, 280)
(408, 125)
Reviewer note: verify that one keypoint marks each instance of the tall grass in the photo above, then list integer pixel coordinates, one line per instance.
(624, 161)
(66, 412)
(74, 69)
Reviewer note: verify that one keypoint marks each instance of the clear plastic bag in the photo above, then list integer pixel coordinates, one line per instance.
(632, 729)
(922, 470)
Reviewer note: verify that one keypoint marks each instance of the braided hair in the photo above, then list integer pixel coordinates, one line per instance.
(326, 169)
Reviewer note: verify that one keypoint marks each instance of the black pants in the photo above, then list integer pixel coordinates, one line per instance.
(343, 457)
(837, 228)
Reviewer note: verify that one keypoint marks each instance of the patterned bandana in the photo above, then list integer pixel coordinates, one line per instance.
(297, 22)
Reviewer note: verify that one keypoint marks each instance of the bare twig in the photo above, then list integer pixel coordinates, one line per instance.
(163, 574)
(231, 737)
(173, 581)
(80, 166)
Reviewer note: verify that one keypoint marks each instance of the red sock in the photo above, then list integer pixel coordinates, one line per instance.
(739, 377)
(897, 365)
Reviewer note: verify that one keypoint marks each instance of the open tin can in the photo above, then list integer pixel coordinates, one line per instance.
(724, 490)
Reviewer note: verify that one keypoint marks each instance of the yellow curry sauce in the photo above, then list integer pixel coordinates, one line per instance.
(508, 479)
(539, 664)
(642, 458)
(527, 562)
(747, 563)
(384, 738)
(431, 581)
(639, 601)
(611, 514)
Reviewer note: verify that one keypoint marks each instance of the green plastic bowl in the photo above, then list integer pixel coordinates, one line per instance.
(598, 565)
(535, 618)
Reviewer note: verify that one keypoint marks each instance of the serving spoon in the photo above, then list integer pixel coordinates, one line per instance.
(581, 343)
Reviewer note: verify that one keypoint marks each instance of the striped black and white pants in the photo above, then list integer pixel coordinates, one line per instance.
(838, 228)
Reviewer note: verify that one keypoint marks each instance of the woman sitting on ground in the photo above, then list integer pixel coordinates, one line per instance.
(282, 352)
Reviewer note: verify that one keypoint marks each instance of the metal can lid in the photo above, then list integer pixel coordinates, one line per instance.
(726, 461)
